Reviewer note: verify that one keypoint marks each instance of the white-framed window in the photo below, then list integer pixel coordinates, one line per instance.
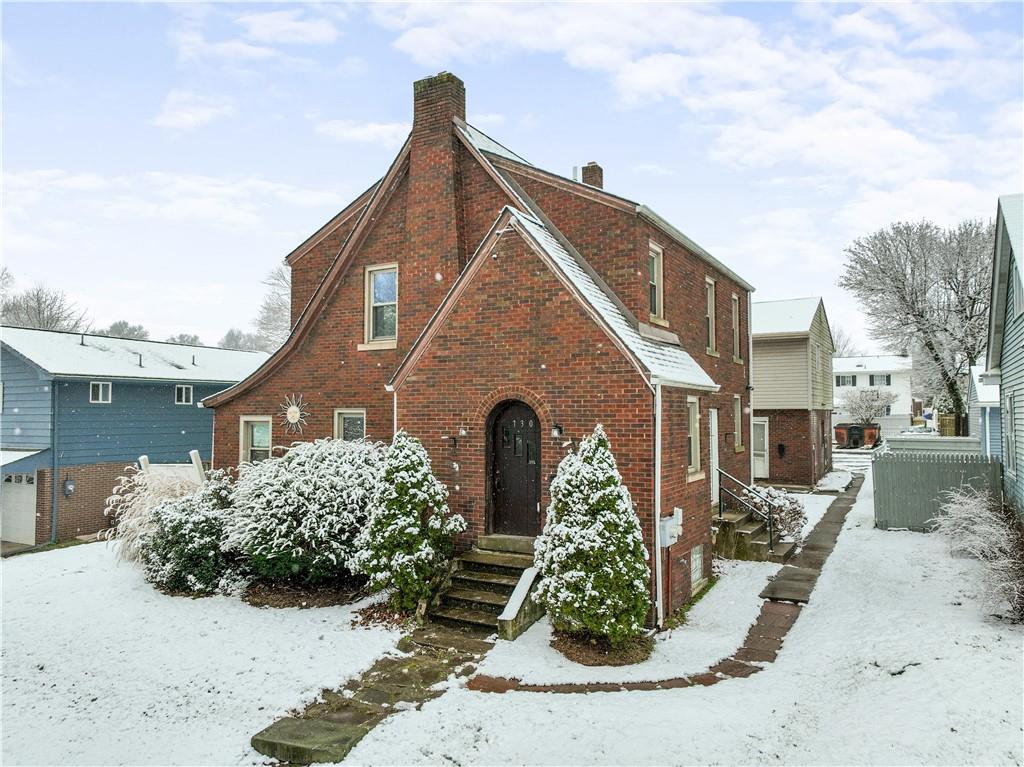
(846, 380)
(882, 379)
(656, 281)
(693, 434)
(349, 424)
(382, 304)
(254, 438)
(696, 565)
(709, 314)
(1018, 292)
(99, 392)
(737, 348)
(183, 394)
(1010, 432)
(737, 415)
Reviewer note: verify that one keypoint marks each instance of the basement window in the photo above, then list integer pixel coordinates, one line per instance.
(182, 394)
(696, 566)
(99, 392)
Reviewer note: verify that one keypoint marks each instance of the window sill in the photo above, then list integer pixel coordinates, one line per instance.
(695, 476)
(371, 346)
(740, 448)
(738, 360)
(713, 352)
(654, 320)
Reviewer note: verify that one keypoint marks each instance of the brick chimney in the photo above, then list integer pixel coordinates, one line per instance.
(432, 209)
(593, 175)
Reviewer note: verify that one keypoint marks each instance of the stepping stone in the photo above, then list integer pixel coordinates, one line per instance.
(305, 741)
(442, 638)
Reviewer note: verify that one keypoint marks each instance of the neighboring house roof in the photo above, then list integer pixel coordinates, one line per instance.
(987, 393)
(784, 317)
(1009, 245)
(882, 363)
(84, 355)
(666, 363)
(10, 456)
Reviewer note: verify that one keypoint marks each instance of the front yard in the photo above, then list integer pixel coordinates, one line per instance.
(893, 661)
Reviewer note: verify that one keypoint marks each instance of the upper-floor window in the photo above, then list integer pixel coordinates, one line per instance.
(884, 379)
(655, 281)
(710, 320)
(846, 380)
(693, 434)
(737, 419)
(182, 394)
(255, 438)
(99, 392)
(349, 424)
(737, 340)
(382, 304)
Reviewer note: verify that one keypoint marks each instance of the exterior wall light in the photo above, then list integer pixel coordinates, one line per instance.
(69, 487)
(556, 431)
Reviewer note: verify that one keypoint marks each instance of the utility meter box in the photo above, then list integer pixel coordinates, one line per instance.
(671, 528)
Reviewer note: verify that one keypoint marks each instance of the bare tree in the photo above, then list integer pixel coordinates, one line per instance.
(239, 339)
(274, 321)
(6, 280)
(43, 308)
(866, 405)
(124, 329)
(185, 338)
(845, 344)
(927, 288)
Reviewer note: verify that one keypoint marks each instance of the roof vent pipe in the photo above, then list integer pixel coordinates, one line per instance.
(82, 340)
(193, 360)
(575, 173)
(140, 358)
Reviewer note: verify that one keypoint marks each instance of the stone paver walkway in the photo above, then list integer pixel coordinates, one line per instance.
(783, 597)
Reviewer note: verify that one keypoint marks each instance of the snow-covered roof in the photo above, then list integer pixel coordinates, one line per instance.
(88, 355)
(988, 394)
(882, 363)
(794, 315)
(10, 456)
(667, 362)
(485, 143)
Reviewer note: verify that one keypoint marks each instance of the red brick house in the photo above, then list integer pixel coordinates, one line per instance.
(498, 311)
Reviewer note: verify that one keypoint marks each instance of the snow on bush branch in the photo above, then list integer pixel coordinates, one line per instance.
(787, 511)
(131, 505)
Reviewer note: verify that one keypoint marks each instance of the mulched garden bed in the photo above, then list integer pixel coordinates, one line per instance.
(589, 651)
(330, 594)
(381, 614)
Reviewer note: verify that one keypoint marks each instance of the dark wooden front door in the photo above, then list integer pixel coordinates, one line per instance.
(515, 470)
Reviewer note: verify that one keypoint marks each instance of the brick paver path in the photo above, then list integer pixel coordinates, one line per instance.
(783, 597)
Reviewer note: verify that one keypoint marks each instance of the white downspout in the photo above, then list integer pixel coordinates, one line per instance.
(750, 387)
(394, 413)
(658, 588)
(988, 431)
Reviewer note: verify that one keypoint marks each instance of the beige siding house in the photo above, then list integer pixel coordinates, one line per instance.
(792, 398)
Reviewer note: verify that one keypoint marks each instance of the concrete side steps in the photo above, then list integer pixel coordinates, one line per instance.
(498, 560)
(472, 579)
(453, 614)
(512, 544)
(477, 598)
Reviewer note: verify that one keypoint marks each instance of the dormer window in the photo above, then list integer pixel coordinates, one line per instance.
(381, 307)
(655, 281)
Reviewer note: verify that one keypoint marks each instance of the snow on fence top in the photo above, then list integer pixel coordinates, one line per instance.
(87, 355)
(793, 315)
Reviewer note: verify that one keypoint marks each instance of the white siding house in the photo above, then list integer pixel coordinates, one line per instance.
(984, 421)
(889, 372)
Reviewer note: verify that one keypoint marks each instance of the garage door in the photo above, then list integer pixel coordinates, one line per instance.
(18, 508)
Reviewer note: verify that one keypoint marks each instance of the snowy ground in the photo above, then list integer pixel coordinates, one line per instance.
(815, 507)
(834, 481)
(714, 628)
(893, 662)
(99, 668)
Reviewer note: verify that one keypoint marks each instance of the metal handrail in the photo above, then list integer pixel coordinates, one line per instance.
(765, 516)
(741, 483)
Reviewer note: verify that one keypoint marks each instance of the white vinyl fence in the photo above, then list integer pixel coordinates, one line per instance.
(909, 486)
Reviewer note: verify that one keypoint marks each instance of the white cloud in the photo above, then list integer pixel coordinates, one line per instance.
(861, 25)
(287, 27)
(385, 134)
(185, 111)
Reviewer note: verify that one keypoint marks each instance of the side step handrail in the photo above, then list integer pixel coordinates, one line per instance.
(764, 516)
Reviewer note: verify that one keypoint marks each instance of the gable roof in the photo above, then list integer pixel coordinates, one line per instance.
(784, 317)
(987, 393)
(880, 363)
(661, 363)
(1008, 247)
(85, 355)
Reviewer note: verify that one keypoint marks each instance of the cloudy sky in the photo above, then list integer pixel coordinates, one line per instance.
(159, 159)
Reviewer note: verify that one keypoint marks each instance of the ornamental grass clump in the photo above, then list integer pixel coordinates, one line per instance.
(297, 517)
(131, 503)
(181, 550)
(408, 543)
(594, 576)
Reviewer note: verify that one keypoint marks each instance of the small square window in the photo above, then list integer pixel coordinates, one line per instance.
(99, 392)
(182, 394)
(349, 425)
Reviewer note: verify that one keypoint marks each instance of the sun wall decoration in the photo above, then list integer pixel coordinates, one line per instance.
(294, 412)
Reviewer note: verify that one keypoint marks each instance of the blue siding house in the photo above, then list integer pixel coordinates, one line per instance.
(76, 408)
(1005, 362)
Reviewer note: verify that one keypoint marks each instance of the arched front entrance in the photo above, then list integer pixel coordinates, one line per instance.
(513, 469)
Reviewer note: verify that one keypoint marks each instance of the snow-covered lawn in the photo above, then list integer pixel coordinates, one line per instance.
(815, 507)
(99, 668)
(834, 482)
(714, 628)
(893, 662)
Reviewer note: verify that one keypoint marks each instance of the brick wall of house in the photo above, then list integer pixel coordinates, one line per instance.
(805, 457)
(309, 269)
(81, 513)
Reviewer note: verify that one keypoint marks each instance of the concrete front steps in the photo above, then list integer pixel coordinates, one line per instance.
(740, 535)
(485, 580)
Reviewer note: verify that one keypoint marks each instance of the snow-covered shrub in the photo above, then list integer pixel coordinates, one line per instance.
(297, 516)
(409, 539)
(181, 550)
(787, 510)
(594, 576)
(977, 525)
(131, 504)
